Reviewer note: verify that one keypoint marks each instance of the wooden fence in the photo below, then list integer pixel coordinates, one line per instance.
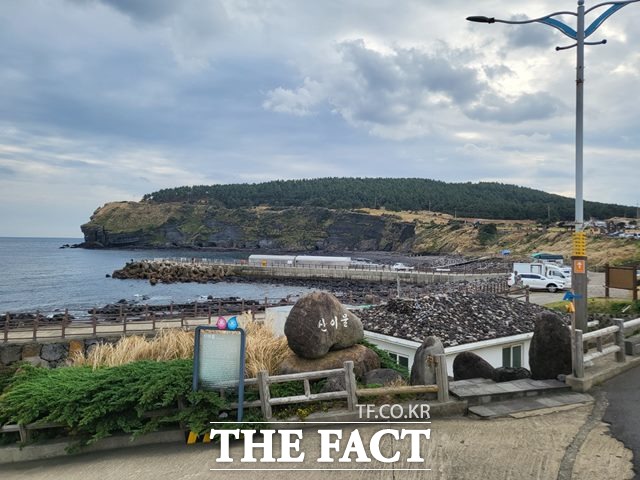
(350, 392)
(617, 331)
(145, 319)
(263, 381)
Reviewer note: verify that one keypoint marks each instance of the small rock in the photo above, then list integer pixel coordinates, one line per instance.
(31, 349)
(10, 353)
(54, 352)
(381, 376)
(334, 384)
(36, 362)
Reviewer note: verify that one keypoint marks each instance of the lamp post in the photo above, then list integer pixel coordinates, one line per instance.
(579, 35)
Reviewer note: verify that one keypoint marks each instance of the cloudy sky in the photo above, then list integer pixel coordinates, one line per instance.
(104, 100)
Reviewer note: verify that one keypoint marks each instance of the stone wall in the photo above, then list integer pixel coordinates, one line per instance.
(49, 354)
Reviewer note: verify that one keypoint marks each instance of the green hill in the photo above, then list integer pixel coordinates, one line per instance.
(481, 200)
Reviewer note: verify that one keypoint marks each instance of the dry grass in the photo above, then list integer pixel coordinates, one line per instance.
(168, 344)
(264, 351)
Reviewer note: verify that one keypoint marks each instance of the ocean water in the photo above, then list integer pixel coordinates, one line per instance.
(36, 274)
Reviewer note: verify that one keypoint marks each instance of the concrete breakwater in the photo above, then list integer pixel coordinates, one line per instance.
(169, 271)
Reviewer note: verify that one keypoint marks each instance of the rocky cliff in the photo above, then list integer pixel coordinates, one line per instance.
(171, 225)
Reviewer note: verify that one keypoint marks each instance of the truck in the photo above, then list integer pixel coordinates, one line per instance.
(549, 270)
(545, 257)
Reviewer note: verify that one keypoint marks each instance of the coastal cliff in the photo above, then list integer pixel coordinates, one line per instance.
(176, 225)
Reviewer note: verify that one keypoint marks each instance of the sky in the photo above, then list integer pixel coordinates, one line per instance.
(106, 100)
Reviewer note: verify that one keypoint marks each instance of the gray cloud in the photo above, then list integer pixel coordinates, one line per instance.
(6, 171)
(533, 35)
(144, 10)
(107, 100)
(371, 88)
(526, 107)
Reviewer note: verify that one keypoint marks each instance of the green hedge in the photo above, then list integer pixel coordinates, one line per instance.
(93, 404)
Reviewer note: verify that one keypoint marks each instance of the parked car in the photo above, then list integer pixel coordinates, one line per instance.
(401, 267)
(535, 281)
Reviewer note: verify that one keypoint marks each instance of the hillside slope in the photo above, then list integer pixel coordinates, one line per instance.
(170, 225)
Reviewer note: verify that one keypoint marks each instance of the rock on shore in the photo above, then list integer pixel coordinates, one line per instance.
(171, 272)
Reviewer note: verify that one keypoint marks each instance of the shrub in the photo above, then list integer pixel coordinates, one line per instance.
(93, 404)
(487, 232)
(386, 361)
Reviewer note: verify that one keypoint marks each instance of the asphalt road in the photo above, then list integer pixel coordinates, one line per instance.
(595, 289)
(532, 448)
(623, 395)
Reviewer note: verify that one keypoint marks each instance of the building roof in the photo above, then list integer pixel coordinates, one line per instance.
(455, 318)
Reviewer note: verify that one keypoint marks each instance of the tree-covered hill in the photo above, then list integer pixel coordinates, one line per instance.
(482, 200)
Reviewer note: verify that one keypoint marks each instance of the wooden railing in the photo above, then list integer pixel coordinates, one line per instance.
(617, 330)
(126, 321)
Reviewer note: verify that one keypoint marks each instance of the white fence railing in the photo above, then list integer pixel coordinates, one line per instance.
(582, 356)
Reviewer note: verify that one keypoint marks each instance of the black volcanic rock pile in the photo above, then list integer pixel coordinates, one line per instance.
(170, 272)
(456, 318)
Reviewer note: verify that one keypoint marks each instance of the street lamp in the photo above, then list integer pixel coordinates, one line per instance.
(579, 35)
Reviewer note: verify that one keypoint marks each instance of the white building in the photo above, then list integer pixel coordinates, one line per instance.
(512, 351)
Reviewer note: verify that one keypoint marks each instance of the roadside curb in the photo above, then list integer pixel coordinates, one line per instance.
(57, 448)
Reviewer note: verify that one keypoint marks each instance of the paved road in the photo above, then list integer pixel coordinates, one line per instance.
(459, 448)
(623, 395)
(595, 289)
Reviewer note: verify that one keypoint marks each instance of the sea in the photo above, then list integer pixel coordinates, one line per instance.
(36, 274)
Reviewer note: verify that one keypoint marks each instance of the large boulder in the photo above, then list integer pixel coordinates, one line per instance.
(505, 374)
(381, 376)
(550, 350)
(319, 323)
(364, 360)
(469, 365)
(423, 370)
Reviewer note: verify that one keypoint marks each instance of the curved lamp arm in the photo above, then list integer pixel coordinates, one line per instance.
(547, 20)
(557, 24)
(615, 6)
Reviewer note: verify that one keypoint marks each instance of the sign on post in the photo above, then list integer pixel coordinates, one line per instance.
(219, 357)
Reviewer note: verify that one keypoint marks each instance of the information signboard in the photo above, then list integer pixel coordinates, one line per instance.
(219, 357)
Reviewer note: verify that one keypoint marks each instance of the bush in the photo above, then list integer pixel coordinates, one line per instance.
(487, 232)
(93, 404)
(6, 376)
(386, 361)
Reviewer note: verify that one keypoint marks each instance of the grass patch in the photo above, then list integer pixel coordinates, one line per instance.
(608, 306)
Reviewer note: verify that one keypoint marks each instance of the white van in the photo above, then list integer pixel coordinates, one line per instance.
(535, 281)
